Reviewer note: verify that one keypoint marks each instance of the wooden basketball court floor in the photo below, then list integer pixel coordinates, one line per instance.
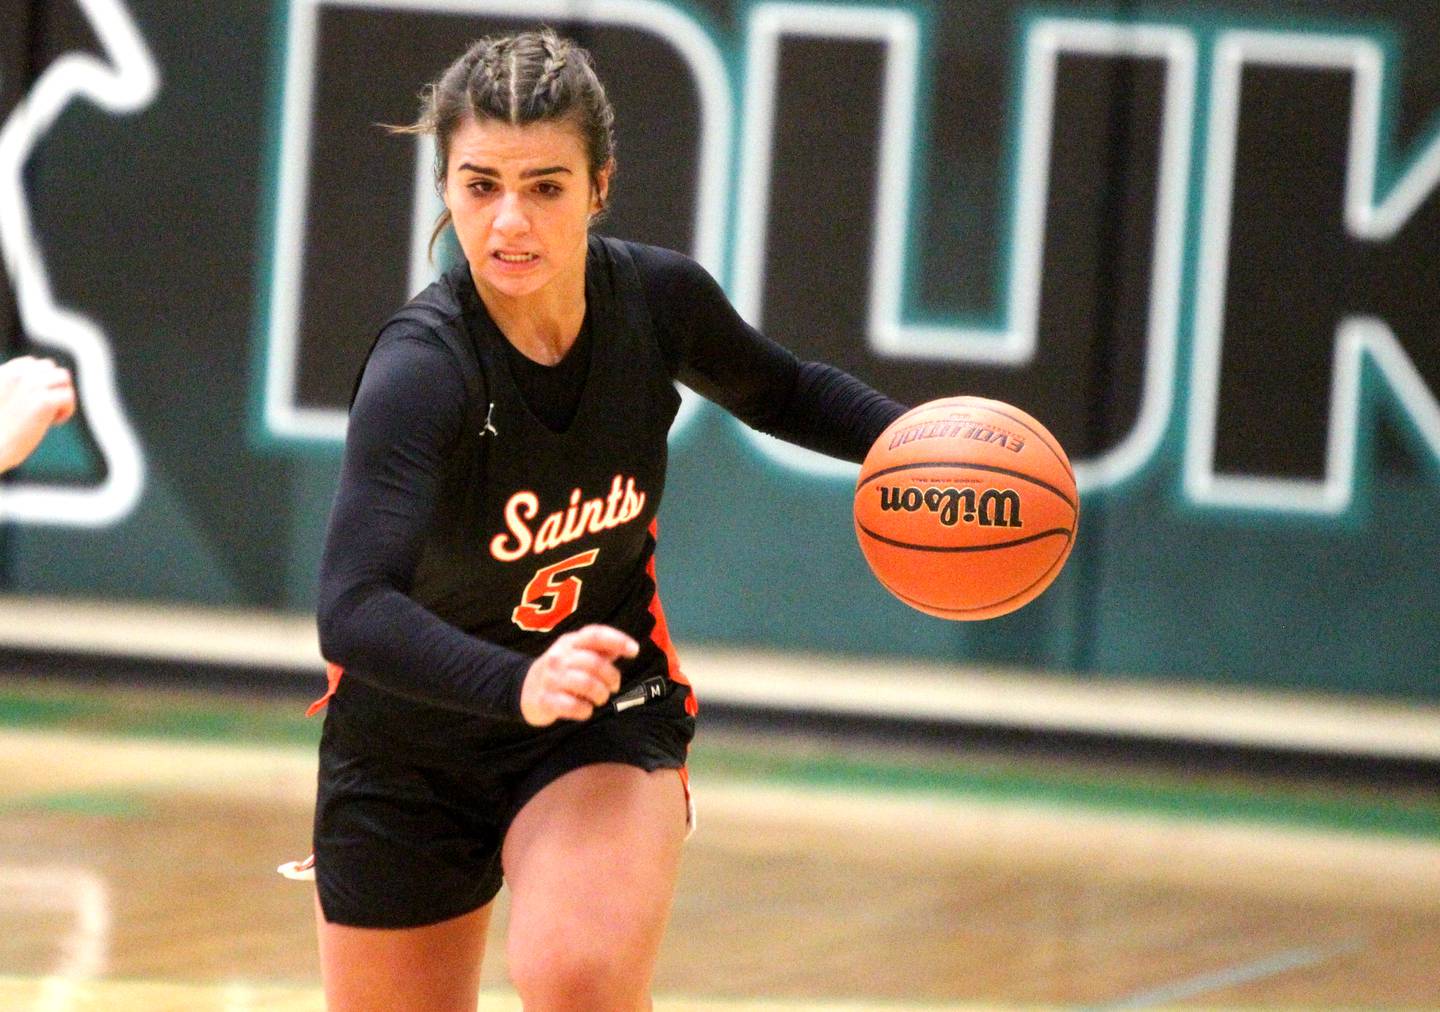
(140, 830)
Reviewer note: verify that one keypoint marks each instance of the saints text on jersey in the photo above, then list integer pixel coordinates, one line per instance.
(621, 505)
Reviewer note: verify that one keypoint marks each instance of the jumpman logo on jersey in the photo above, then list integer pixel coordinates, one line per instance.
(124, 81)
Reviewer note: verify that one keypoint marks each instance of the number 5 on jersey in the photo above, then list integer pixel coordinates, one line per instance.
(547, 600)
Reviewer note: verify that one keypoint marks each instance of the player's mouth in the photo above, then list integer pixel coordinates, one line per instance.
(515, 259)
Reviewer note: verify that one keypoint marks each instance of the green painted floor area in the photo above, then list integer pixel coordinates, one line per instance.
(1165, 794)
(791, 761)
(109, 804)
(156, 714)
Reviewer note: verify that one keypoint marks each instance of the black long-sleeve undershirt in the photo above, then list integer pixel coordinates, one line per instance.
(403, 425)
(408, 412)
(712, 350)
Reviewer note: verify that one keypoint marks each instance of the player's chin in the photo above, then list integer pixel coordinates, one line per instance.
(516, 279)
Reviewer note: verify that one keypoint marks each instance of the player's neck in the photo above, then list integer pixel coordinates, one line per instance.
(542, 325)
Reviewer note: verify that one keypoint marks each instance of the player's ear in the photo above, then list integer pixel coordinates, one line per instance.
(600, 188)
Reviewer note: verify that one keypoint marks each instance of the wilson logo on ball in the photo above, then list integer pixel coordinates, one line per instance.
(991, 508)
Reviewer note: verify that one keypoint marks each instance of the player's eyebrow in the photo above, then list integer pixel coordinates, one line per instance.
(527, 174)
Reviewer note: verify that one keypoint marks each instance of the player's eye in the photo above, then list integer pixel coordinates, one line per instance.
(549, 189)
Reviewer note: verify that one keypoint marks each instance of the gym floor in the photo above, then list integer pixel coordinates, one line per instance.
(141, 829)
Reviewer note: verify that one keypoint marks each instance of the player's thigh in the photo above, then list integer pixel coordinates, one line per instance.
(591, 862)
(435, 968)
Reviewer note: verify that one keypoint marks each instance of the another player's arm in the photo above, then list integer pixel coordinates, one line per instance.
(35, 394)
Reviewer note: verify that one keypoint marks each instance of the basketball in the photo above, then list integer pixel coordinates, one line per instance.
(966, 508)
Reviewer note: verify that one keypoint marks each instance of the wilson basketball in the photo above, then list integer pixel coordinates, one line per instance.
(966, 508)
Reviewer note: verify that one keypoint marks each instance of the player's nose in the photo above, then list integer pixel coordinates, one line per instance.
(510, 216)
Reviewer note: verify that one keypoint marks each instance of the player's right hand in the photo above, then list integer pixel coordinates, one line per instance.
(575, 675)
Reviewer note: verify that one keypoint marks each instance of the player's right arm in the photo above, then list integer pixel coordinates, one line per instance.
(404, 422)
(575, 675)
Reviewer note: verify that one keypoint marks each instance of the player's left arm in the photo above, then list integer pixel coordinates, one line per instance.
(712, 350)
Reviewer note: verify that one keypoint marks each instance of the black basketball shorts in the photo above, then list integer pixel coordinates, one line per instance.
(401, 842)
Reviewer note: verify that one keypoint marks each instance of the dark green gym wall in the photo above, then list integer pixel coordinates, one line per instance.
(1275, 564)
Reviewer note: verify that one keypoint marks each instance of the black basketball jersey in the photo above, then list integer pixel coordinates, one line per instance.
(451, 560)
(538, 532)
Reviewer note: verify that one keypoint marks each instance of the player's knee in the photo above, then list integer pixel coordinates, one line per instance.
(579, 979)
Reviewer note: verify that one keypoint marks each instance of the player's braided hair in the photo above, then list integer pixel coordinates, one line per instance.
(519, 79)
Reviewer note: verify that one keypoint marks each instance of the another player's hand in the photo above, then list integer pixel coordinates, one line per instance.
(35, 394)
(575, 676)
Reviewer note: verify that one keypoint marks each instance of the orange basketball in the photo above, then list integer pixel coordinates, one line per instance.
(966, 508)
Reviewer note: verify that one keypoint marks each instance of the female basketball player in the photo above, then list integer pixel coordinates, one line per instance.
(511, 704)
